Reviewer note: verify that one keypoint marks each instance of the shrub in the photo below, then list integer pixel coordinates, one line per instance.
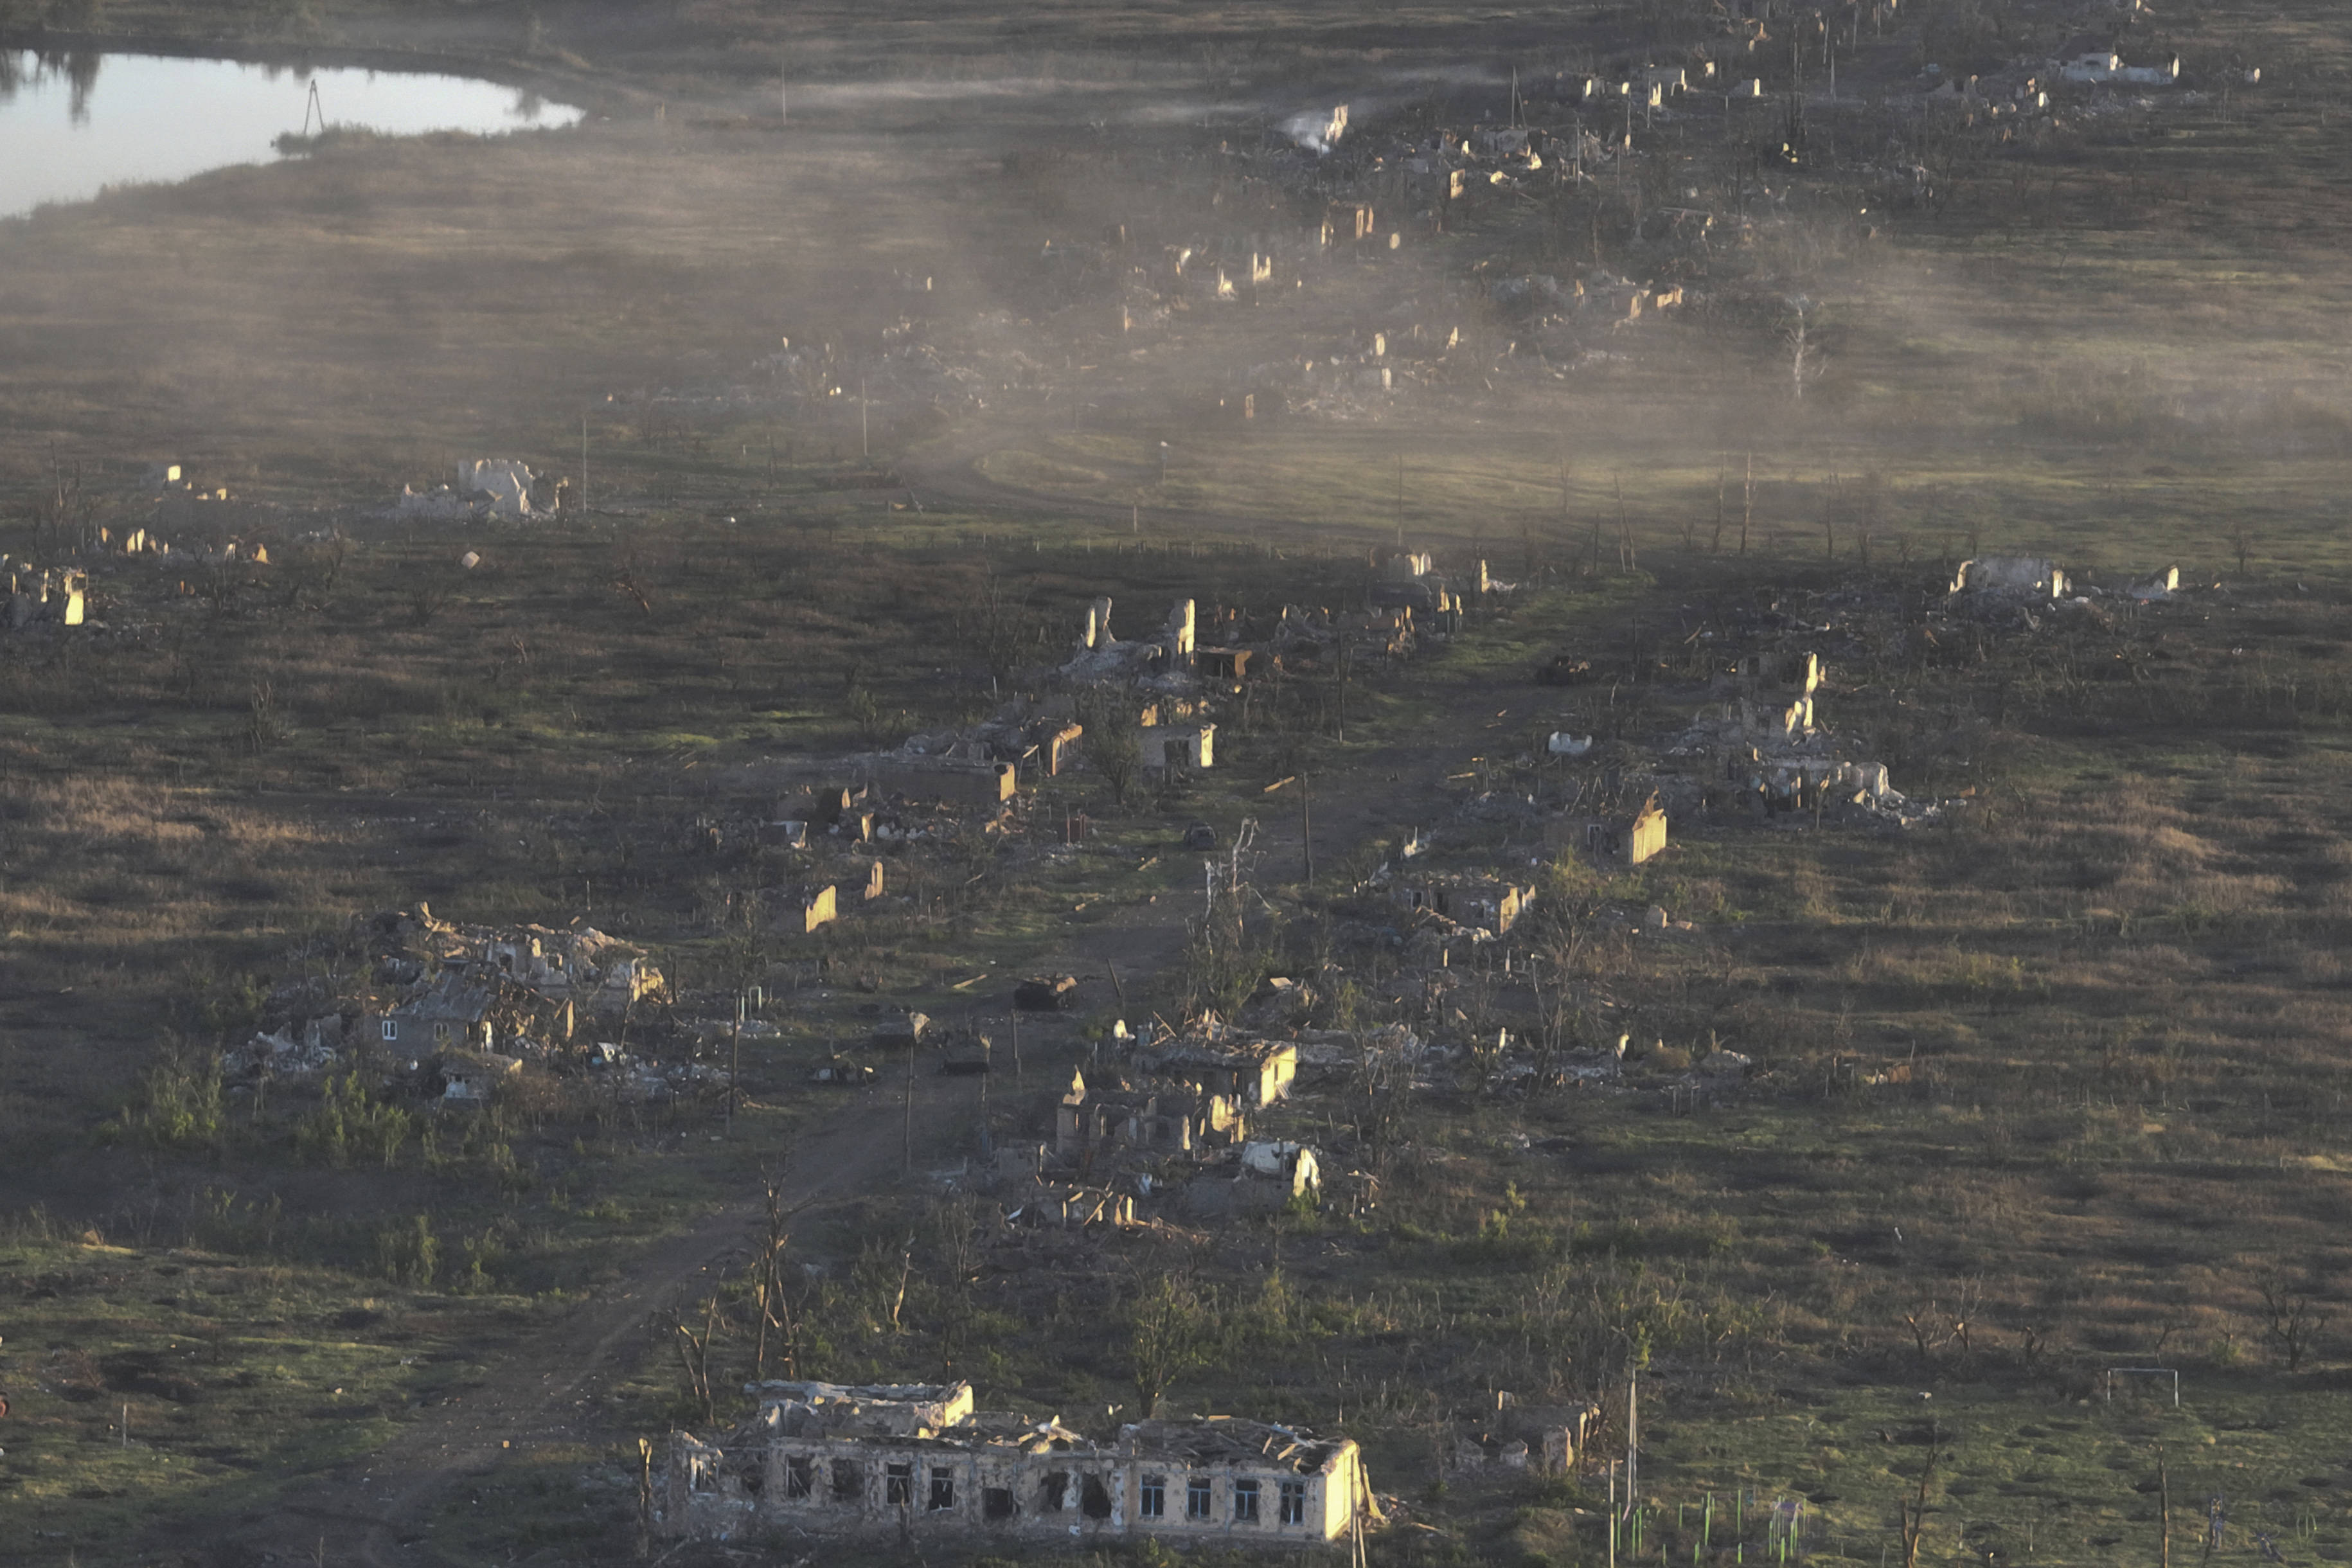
(409, 1253)
(180, 1103)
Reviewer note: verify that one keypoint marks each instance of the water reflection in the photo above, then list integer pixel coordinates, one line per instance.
(77, 67)
(82, 73)
(74, 121)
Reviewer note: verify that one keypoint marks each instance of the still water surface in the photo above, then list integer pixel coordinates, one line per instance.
(71, 126)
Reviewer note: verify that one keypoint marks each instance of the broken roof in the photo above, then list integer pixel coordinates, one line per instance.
(1209, 1440)
(1222, 1050)
(890, 1409)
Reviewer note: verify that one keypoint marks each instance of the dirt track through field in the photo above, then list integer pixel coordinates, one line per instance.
(379, 1509)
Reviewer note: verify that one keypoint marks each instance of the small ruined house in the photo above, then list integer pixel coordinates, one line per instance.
(1250, 1072)
(1494, 906)
(1265, 1178)
(817, 906)
(452, 1012)
(1057, 1205)
(504, 481)
(2027, 575)
(468, 1077)
(1624, 841)
(1192, 746)
(897, 1462)
(1224, 663)
(1059, 746)
(1166, 1121)
(1545, 1438)
(985, 784)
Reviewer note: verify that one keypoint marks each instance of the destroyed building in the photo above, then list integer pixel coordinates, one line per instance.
(1480, 903)
(479, 987)
(904, 1460)
(1254, 1178)
(1250, 1072)
(1170, 1118)
(1621, 839)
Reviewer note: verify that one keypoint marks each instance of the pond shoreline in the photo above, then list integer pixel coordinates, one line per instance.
(558, 83)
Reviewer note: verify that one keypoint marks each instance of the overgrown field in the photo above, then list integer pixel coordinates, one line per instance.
(2052, 1088)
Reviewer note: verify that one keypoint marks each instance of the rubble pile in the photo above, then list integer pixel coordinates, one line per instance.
(458, 1006)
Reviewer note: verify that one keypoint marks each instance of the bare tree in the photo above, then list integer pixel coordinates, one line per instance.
(770, 1304)
(1804, 360)
(1377, 1098)
(2241, 544)
(1915, 1507)
(2293, 1316)
(694, 1358)
(1000, 626)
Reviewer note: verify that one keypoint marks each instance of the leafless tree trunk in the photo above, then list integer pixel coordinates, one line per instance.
(1915, 1507)
(2292, 1317)
(694, 1358)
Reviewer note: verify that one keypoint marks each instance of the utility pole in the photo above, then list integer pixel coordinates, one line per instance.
(987, 1135)
(1612, 1513)
(1307, 824)
(1747, 504)
(2164, 1514)
(1632, 1433)
(907, 1131)
(734, 1063)
(1342, 710)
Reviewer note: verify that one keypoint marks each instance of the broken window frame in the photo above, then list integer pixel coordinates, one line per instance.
(998, 1504)
(1293, 1502)
(943, 1490)
(1245, 1502)
(1199, 1498)
(898, 1484)
(701, 1474)
(848, 1477)
(1151, 1498)
(799, 1478)
(1057, 1491)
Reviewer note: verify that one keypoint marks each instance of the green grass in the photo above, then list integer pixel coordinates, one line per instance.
(236, 1373)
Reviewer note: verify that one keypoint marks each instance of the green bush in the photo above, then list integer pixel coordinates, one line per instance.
(409, 1253)
(180, 1104)
(352, 1123)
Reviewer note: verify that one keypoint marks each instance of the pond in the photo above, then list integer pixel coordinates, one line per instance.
(72, 125)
